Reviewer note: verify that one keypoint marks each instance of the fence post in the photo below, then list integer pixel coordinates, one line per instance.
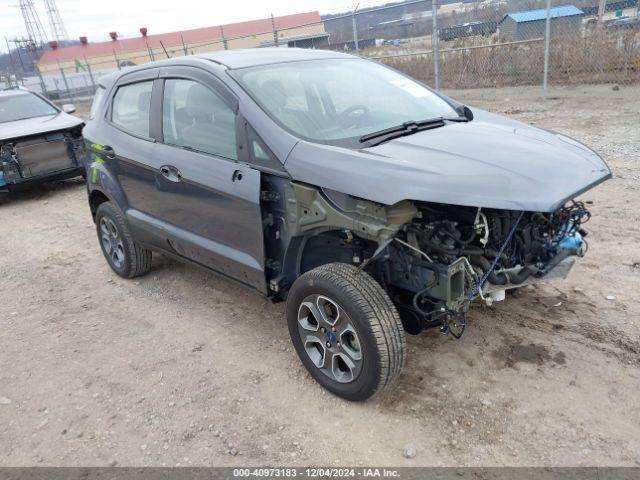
(275, 32)
(13, 66)
(42, 84)
(93, 82)
(547, 34)
(601, 9)
(184, 46)
(355, 28)
(224, 40)
(434, 44)
(66, 84)
(116, 57)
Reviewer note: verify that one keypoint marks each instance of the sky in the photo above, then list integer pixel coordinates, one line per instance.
(96, 18)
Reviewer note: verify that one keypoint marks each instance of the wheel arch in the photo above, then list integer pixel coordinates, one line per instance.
(96, 198)
(321, 247)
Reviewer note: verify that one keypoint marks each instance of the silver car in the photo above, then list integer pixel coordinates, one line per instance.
(38, 141)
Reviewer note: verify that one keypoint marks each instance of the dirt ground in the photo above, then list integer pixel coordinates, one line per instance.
(180, 367)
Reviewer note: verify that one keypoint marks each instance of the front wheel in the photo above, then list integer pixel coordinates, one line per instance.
(346, 331)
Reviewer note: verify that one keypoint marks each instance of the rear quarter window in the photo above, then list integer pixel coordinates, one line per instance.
(131, 108)
(97, 101)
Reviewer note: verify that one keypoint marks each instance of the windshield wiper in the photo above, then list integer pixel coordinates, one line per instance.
(409, 128)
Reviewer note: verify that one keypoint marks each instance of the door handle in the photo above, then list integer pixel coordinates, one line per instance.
(237, 176)
(171, 173)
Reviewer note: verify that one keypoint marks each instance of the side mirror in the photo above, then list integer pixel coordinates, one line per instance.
(465, 112)
(68, 108)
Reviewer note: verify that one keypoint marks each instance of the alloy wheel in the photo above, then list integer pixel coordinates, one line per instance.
(111, 242)
(329, 338)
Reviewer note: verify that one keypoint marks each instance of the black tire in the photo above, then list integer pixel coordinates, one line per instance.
(342, 289)
(131, 260)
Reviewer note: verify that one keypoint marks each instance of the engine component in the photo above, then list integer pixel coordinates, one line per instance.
(440, 261)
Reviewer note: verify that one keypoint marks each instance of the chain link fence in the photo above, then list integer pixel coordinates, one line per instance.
(489, 43)
(500, 43)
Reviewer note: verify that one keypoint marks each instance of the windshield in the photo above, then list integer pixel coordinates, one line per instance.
(22, 106)
(337, 100)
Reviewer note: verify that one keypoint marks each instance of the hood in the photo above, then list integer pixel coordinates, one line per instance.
(490, 162)
(37, 125)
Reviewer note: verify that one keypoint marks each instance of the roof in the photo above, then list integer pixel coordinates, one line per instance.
(13, 92)
(251, 57)
(173, 39)
(533, 15)
(232, 59)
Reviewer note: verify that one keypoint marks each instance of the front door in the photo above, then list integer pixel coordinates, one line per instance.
(206, 203)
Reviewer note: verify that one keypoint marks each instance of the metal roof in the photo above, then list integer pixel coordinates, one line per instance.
(532, 15)
(173, 39)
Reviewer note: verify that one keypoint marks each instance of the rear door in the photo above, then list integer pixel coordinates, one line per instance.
(126, 143)
(206, 201)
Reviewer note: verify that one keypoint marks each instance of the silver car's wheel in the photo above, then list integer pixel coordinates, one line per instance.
(329, 338)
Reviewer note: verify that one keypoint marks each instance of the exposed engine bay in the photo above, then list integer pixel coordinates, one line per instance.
(433, 259)
(39, 156)
(449, 255)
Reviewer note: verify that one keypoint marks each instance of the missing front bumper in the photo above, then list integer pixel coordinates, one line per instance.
(560, 271)
(39, 158)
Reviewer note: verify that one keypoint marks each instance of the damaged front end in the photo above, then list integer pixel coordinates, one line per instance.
(433, 259)
(449, 255)
(41, 157)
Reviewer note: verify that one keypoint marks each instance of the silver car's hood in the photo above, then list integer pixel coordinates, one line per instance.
(491, 162)
(37, 125)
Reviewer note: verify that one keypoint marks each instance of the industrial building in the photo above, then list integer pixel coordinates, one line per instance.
(298, 30)
(564, 20)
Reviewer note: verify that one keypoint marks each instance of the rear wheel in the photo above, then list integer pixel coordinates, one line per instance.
(346, 330)
(124, 256)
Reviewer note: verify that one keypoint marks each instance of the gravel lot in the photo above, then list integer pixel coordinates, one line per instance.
(180, 367)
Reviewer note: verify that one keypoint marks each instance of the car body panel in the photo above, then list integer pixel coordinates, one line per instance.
(189, 216)
(491, 162)
(38, 125)
(39, 149)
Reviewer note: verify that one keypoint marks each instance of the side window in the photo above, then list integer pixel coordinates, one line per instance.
(260, 154)
(131, 106)
(194, 116)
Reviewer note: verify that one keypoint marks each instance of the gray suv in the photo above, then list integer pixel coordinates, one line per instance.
(370, 203)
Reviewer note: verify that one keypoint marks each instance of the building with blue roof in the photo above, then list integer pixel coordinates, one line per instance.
(565, 20)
